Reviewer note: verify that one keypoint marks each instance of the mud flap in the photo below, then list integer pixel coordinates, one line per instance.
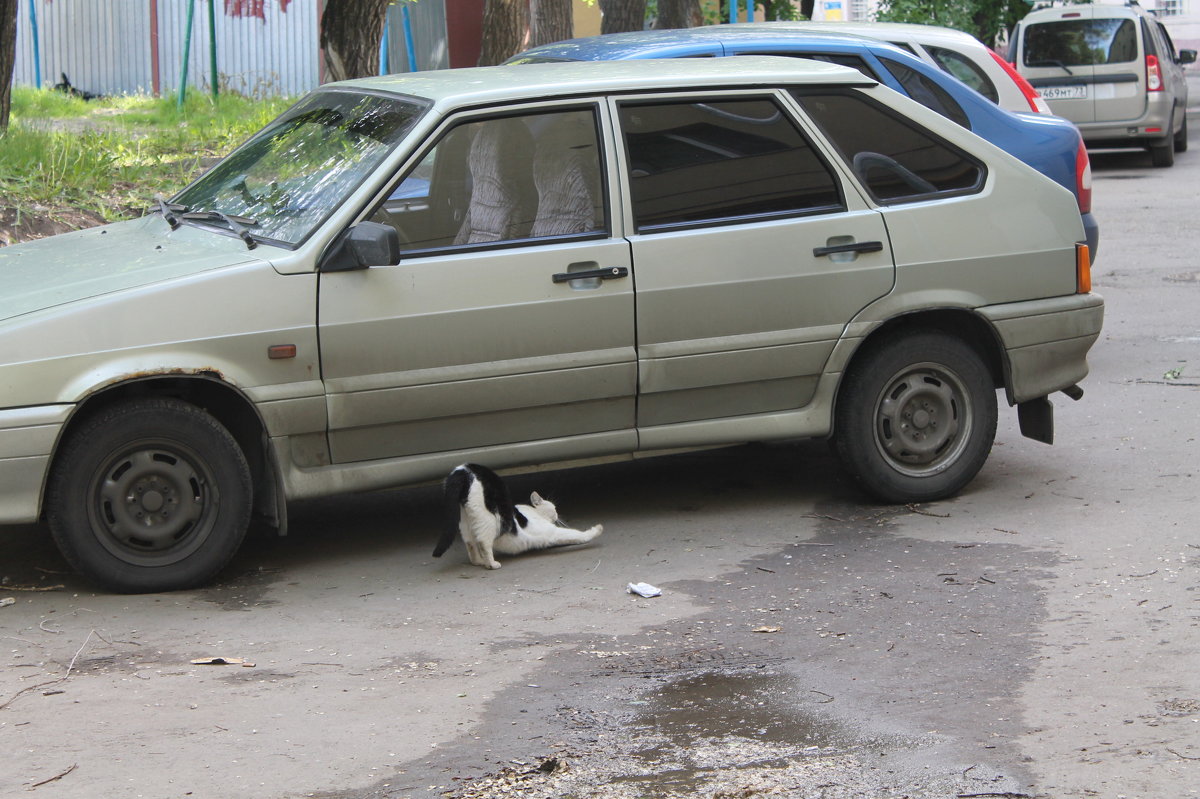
(1037, 419)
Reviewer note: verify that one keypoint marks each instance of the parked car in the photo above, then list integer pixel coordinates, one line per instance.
(606, 259)
(1113, 71)
(956, 52)
(1050, 145)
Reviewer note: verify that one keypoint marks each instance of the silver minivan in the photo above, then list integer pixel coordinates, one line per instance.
(1112, 70)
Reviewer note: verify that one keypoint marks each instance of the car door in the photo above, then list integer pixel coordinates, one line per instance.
(509, 317)
(965, 232)
(750, 257)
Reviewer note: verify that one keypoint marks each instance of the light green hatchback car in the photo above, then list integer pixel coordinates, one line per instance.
(531, 265)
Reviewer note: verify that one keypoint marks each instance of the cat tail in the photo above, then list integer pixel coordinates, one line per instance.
(454, 496)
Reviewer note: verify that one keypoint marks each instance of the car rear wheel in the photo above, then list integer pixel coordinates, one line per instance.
(152, 495)
(916, 417)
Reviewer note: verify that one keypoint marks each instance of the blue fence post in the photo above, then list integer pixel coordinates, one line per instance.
(408, 38)
(37, 47)
(385, 66)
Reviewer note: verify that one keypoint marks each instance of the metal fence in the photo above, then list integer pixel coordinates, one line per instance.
(128, 46)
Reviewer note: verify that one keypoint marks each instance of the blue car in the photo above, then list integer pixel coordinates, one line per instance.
(1051, 145)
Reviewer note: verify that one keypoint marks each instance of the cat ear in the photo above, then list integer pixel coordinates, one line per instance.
(535, 499)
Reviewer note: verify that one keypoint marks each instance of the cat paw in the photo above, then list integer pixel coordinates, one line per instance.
(596, 530)
(494, 564)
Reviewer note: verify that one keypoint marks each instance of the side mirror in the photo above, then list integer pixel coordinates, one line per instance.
(364, 245)
(1187, 57)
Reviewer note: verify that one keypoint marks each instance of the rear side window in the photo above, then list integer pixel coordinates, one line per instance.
(1080, 42)
(965, 70)
(927, 92)
(720, 161)
(894, 158)
(852, 61)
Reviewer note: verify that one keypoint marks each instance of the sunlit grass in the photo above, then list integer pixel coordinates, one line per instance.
(111, 156)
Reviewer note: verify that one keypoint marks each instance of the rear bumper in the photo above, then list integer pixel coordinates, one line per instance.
(1155, 124)
(27, 437)
(1046, 342)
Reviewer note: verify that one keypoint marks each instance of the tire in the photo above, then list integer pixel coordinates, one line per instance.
(1162, 151)
(916, 417)
(1181, 142)
(152, 495)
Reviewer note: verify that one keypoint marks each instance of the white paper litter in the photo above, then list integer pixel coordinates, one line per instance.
(642, 589)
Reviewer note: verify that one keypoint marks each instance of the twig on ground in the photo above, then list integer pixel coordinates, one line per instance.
(54, 778)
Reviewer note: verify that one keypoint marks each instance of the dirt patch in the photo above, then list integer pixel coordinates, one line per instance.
(18, 225)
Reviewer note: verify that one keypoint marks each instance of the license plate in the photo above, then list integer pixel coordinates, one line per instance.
(1064, 92)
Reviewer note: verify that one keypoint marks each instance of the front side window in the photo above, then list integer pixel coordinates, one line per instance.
(502, 179)
(894, 158)
(1080, 42)
(926, 92)
(965, 70)
(720, 161)
(286, 181)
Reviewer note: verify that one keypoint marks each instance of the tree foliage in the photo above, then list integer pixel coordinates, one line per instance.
(983, 19)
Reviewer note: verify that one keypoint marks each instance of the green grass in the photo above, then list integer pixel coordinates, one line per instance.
(111, 156)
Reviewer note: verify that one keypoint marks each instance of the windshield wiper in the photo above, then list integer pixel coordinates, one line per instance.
(1049, 62)
(169, 210)
(236, 223)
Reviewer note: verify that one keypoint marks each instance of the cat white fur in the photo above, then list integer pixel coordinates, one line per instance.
(489, 523)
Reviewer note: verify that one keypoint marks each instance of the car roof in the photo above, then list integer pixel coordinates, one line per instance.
(480, 85)
(685, 41)
(896, 30)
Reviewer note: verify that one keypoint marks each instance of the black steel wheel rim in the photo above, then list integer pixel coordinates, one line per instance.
(152, 502)
(923, 420)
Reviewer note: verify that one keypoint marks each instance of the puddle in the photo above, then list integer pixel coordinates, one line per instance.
(753, 706)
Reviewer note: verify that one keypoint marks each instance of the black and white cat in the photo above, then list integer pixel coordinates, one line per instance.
(478, 506)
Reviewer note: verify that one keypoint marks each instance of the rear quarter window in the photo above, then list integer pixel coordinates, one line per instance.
(895, 159)
(965, 70)
(926, 92)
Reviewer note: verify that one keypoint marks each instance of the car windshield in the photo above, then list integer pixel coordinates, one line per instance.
(295, 172)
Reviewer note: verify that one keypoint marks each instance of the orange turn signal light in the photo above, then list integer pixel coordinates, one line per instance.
(1083, 269)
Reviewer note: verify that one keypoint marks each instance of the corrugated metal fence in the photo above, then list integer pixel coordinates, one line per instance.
(127, 46)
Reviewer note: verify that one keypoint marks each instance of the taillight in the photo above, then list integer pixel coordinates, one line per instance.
(1154, 82)
(1083, 179)
(1036, 103)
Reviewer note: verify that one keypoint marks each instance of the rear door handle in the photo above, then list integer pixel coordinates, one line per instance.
(607, 273)
(858, 246)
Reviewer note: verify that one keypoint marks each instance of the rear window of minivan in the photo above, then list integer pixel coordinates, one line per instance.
(1080, 42)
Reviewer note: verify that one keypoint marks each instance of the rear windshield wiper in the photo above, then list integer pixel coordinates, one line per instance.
(1049, 62)
(236, 223)
(169, 210)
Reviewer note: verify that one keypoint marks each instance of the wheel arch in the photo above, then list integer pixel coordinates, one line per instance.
(959, 322)
(224, 402)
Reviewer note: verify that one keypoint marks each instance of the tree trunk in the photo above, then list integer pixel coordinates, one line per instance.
(8, 55)
(619, 16)
(806, 8)
(505, 30)
(551, 21)
(678, 14)
(350, 35)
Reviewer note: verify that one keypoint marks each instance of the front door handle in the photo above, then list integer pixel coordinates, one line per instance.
(607, 273)
(857, 246)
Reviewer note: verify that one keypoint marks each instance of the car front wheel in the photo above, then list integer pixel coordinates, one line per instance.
(916, 417)
(152, 495)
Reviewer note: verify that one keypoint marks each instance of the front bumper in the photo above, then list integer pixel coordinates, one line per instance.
(27, 438)
(1046, 342)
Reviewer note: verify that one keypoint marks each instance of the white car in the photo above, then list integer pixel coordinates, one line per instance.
(960, 54)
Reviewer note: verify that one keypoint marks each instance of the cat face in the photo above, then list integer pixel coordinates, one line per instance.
(544, 507)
